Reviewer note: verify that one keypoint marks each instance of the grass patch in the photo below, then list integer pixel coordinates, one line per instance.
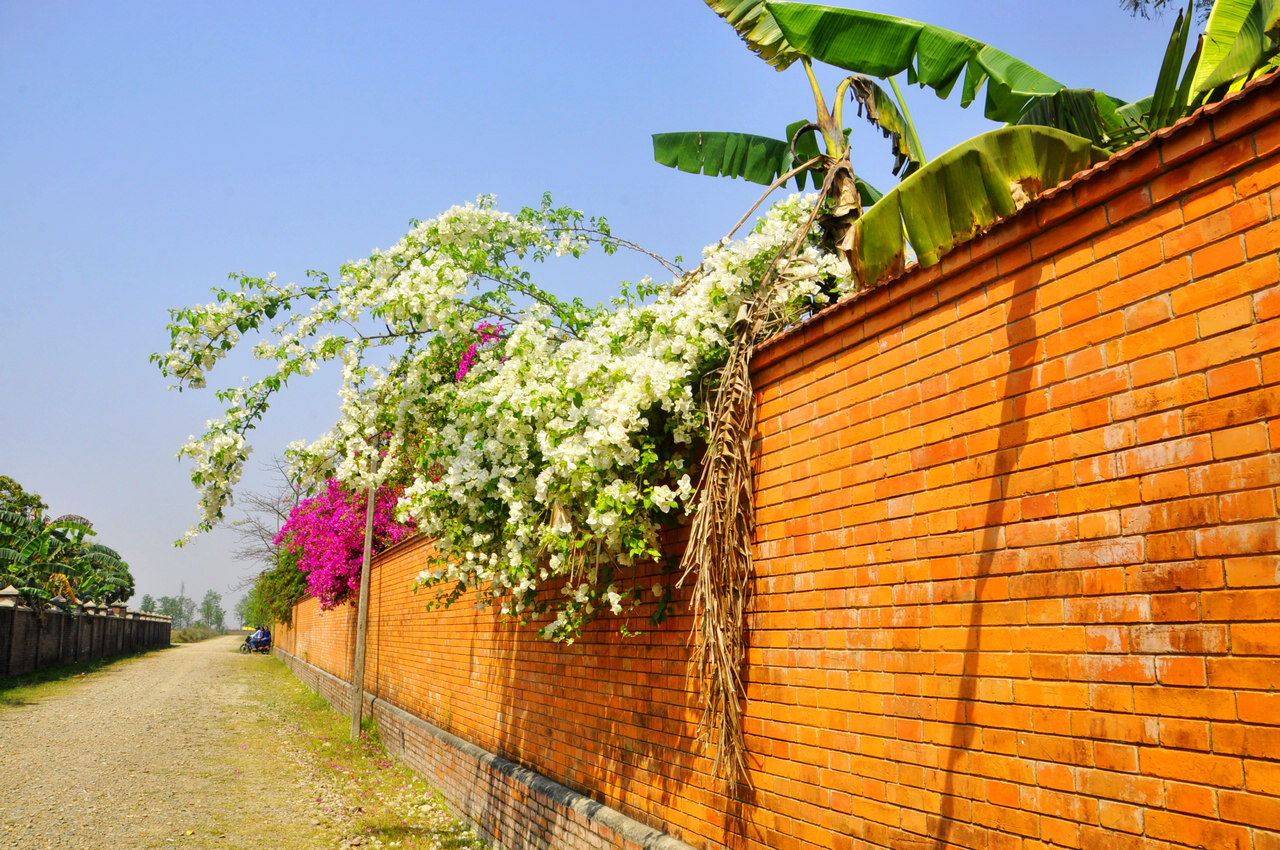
(31, 688)
(192, 634)
(383, 802)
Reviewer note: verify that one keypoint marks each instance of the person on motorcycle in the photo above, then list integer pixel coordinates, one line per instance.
(259, 638)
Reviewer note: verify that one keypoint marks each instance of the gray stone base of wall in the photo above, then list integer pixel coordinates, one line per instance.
(511, 806)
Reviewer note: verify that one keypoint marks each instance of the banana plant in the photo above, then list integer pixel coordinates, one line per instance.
(1241, 40)
(883, 46)
(42, 560)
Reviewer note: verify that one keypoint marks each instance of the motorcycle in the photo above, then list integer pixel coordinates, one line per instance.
(247, 646)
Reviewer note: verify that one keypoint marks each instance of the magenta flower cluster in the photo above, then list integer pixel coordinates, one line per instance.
(326, 534)
(487, 332)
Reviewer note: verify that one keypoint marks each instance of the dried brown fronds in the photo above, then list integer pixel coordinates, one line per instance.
(720, 540)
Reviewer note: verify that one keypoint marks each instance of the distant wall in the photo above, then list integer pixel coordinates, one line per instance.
(1017, 558)
(31, 640)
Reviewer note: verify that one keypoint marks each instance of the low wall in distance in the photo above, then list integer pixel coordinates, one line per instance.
(32, 640)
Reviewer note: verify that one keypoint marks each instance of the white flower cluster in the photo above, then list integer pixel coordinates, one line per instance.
(570, 440)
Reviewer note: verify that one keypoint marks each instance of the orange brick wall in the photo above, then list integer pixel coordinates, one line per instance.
(1018, 558)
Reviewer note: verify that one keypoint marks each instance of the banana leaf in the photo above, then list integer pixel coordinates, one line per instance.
(879, 108)
(1239, 37)
(883, 46)
(963, 192)
(757, 159)
(1084, 112)
(1169, 101)
(754, 23)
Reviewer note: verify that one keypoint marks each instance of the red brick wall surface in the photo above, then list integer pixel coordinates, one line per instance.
(1017, 551)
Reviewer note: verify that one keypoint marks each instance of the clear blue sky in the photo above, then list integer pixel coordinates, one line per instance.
(152, 147)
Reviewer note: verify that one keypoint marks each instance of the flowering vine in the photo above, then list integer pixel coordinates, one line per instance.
(543, 444)
(325, 534)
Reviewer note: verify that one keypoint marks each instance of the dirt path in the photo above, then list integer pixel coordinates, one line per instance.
(170, 749)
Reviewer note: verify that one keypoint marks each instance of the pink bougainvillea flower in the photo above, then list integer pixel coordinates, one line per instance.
(326, 533)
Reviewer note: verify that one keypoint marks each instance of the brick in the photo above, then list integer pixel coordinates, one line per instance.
(1237, 442)
(1234, 378)
(1251, 406)
(1107, 668)
(1183, 702)
(1250, 809)
(1163, 516)
(1186, 830)
(1241, 604)
(1224, 772)
(1169, 336)
(1188, 672)
(1243, 673)
(1225, 348)
(1114, 609)
(1156, 369)
(1190, 799)
(1106, 383)
(1266, 304)
(1210, 199)
(1233, 475)
(1238, 539)
(1259, 571)
(1184, 734)
(1194, 639)
(1174, 576)
(1259, 708)
(1262, 777)
(1165, 396)
(1250, 278)
(1188, 451)
(1161, 426)
(1217, 257)
(1221, 318)
(1120, 816)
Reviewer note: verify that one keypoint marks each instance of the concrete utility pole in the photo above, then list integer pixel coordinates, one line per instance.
(362, 619)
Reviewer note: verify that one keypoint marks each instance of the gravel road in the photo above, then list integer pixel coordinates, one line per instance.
(170, 749)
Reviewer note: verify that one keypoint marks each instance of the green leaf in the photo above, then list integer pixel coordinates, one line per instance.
(758, 159)
(1166, 107)
(883, 46)
(756, 26)
(1100, 118)
(963, 192)
(1238, 39)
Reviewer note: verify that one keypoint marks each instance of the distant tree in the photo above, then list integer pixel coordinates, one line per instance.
(180, 609)
(274, 593)
(211, 613)
(263, 515)
(148, 603)
(17, 500)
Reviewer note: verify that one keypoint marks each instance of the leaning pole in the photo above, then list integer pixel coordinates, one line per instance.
(362, 621)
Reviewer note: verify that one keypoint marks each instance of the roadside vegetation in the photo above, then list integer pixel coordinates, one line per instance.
(52, 561)
(374, 800)
(191, 634)
(51, 681)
